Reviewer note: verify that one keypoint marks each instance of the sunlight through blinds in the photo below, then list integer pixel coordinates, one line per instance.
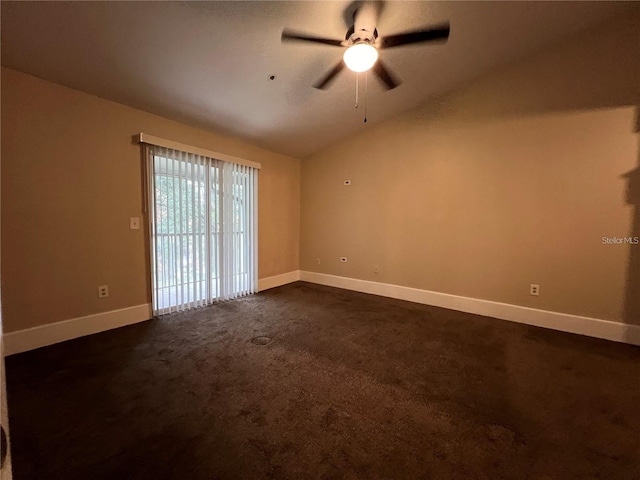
(203, 226)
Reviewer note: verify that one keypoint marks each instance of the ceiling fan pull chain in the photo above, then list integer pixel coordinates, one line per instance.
(366, 84)
(357, 83)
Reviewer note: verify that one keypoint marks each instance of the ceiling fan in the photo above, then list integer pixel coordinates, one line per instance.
(362, 43)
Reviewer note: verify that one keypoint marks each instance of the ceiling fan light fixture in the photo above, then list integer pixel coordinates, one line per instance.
(360, 57)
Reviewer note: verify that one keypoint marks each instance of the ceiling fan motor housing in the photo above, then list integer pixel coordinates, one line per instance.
(362, 35)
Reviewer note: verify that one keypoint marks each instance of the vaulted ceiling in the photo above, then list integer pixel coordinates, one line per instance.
(207, 63)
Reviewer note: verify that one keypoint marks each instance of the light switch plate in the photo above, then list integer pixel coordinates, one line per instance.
(134, 223)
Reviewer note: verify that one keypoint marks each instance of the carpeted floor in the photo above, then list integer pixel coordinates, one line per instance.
(346, 386)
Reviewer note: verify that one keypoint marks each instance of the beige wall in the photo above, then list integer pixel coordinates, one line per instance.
(513, 180)
(71, 178)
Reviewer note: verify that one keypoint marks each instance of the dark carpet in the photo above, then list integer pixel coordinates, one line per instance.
(305, 381)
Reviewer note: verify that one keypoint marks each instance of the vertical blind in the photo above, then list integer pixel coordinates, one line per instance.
(203, 224)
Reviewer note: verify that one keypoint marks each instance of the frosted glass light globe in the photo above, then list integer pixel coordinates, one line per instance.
(360, 57)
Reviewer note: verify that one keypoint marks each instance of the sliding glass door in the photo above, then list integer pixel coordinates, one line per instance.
(203, 229)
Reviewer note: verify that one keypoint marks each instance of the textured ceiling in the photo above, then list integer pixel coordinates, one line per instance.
(207, 63)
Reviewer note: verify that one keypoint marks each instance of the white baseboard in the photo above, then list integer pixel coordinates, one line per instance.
(32, 338)
(43, 335)
(278, 280)
(592, 327)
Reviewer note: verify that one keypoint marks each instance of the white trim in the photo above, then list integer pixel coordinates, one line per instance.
(43, 335)
(278, 280)
(161, 142)
(592, 327)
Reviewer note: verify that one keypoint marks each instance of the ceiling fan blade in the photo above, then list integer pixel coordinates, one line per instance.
(440, 32)
(290, 36)
(324, 82)
(389, 80)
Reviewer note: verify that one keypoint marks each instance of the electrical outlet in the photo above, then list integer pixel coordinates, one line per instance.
(376, 269)
(317, 261)
(534, 290)
(103, 291)
(347, 183)
(343, 259)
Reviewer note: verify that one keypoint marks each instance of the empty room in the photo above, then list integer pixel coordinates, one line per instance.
(320, 240)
